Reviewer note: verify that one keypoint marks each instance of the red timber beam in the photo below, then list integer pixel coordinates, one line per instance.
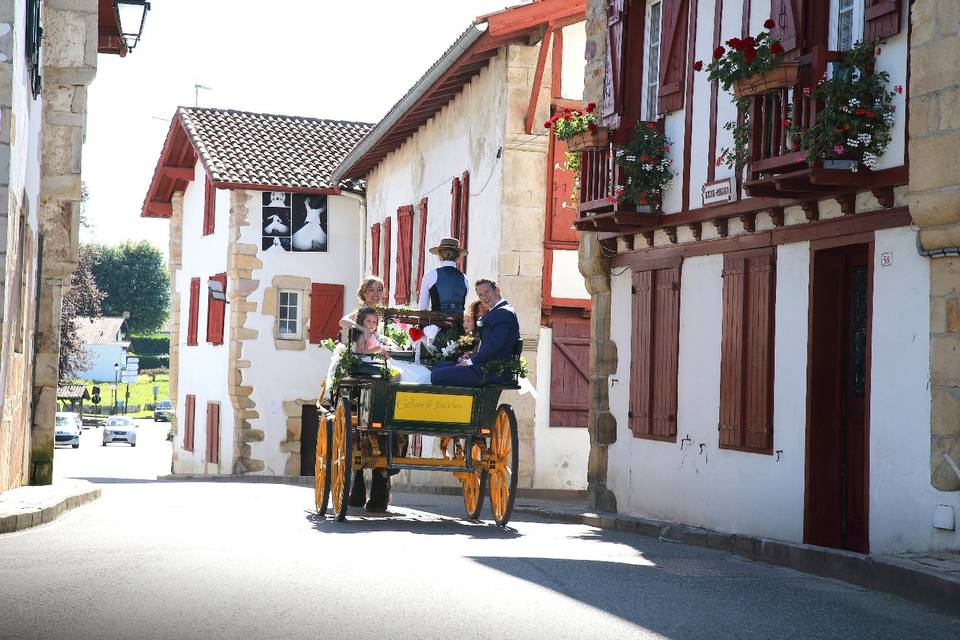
(538, 79)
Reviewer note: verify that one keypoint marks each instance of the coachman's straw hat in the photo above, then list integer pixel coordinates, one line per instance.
(448, 243)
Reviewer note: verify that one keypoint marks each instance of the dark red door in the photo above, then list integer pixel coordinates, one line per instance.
(836, 512)
(570, 373)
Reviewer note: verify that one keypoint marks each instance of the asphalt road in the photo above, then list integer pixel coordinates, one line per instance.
(160, 559)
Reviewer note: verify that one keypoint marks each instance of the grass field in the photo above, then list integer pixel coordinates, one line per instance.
(141, 393)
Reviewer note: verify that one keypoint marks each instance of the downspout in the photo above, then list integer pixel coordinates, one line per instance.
(943, 252)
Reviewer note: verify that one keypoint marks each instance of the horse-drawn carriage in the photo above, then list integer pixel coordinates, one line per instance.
(371, 418)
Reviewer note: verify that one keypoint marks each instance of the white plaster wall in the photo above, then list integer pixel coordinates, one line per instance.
(901, 496)
(102, 359)
(566, 280)
(464, 135)
(574, 62)
(279, 375)
(558, 451)
(202, 369)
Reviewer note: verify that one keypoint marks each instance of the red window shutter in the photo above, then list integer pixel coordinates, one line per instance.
(746, 360)
(189, 414)
(881, 19)
(193, 312)
(216, 310)
(570, 373)
(455, 208)
(375, 248)
(610, 109)
(422, 258)
(561, 181)
(326, 309)
(788, 16)
(387, 239)
(209, 207)
(213, 432)
(656, 341)
(673, 55)
(404, 250)
(464, 217)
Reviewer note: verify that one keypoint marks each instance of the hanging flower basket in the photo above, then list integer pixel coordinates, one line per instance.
(782, 76)
(595, 138)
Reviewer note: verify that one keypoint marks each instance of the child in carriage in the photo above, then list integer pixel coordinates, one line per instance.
(371, 343)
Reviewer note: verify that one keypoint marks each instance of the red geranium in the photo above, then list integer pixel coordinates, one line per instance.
(769, 23)
(734, 43)
(750, 54)
(748, 42)
(718, 52)
(650, 125)
(698, 65)
(776, 48)
(415, 333)
(548, 124)
(591, 127)
(591, 106)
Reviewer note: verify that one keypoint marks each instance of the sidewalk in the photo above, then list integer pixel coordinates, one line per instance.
(26, 507)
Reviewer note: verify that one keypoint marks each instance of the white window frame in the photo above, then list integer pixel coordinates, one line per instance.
(282, 319)
(651, 84)
(856, 33)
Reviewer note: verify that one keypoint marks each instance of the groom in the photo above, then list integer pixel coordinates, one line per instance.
(499, 332)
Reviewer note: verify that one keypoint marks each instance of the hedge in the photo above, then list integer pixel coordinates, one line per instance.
(153, 362)
(149, 346)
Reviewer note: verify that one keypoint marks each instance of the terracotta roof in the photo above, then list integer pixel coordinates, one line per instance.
(244, 150)
(102, 330)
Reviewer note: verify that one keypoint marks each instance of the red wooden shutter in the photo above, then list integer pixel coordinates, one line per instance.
(570, 373)
(464, 218)
(613, 68)
(375, 248)
(881, 19)
(193, 312)
(653, 366)
(209, 207)
(422, 258)
(455, 208)
(560, 217)
(189, 413)
(213, 432)
(326, 309)
(216, 310)
(404, 250)
(673, 55)
(788, 16)
(746, 360)
(387, 241)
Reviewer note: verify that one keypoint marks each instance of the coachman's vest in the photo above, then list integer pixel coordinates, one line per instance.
(450, 291)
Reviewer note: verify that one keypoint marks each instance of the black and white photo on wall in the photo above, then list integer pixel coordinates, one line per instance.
(294, 222)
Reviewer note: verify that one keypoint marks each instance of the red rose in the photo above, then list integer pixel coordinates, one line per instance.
(698, 65)
(776, 48)
(750, 55)
(591, 106)
(769, 23)
(415, 333)
(592, 127)
(718, 52)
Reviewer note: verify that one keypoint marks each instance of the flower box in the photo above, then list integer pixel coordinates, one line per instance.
(587, 140)
(783, 75)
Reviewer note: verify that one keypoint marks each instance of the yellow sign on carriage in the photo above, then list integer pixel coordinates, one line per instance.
(432, 407)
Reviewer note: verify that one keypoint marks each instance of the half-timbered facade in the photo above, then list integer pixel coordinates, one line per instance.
(766, 348)
(264, 257)
(465, 154)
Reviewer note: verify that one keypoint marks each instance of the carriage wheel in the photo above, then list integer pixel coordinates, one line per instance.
(341, 459)
(474, 486)
(321, 468)
(504, 445)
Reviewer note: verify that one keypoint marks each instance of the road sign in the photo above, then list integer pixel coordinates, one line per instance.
(133, 368)
(132, 360)
(95, 398)
(128, 378)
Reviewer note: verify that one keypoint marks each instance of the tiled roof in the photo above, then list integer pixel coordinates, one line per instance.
(102, 330)
(239, 148)
(72, 392)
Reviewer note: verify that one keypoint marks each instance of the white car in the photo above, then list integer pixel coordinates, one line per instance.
(120, 429)
(66, 430)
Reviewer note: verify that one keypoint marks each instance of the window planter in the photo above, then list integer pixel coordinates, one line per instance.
(780, 77)
(588, 140)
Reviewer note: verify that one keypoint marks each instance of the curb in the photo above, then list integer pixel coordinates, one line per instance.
(881, 573)
(31, 506)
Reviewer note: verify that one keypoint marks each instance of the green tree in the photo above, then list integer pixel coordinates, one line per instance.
(134, 278)
(83, 299)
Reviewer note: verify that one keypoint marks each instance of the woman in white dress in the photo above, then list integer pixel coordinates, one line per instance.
(370, 342)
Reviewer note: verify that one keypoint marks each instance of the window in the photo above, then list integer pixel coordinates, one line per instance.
(189, 413)
(213, 433)
(209, 207)
(746, 351)
(216, 310)
(654, 353)
(846, 23)
(34, 40)
(326, 309)
(652, 84)
(193, 312)
(288, 314)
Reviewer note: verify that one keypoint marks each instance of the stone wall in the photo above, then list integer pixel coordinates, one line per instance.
(934, 200)
(174, 262)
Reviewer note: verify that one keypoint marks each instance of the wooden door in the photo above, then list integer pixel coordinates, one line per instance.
(837, 492)
(570, 373)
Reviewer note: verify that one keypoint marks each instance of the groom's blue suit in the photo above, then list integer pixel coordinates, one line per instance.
(499, 332)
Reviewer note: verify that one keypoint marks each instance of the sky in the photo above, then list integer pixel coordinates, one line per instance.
(342, 59)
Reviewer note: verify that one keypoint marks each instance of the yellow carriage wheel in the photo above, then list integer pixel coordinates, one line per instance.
(321, 468)
(341, 459)
(504, 445)
(474, 485)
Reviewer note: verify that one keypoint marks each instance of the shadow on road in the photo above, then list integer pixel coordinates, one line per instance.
(400, 519)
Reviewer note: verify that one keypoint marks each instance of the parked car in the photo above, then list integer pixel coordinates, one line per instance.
(66, 430)
(162, 411)
(73, 416)
(120, 429)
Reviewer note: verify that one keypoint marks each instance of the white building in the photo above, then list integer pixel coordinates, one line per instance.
(103, 342)
(464, 153)
(251, 206)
